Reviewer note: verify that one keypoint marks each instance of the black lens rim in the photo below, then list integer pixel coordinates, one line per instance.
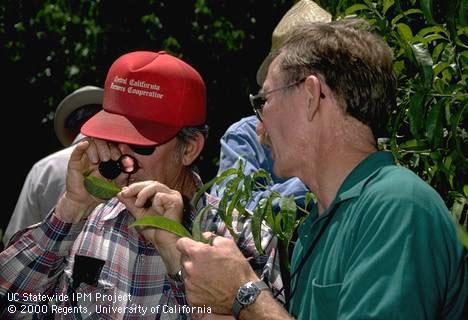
(142, 150)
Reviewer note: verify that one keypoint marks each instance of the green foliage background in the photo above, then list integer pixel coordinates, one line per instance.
(49, 48)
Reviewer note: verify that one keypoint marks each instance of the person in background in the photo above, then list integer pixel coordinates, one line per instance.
(380, 244)
(45, 182)
(240, 141)
(154, 116)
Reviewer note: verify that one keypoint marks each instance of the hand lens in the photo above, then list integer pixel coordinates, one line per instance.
(113, 168)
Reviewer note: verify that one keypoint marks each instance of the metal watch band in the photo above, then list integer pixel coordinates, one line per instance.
(177, 277)
(238, 306)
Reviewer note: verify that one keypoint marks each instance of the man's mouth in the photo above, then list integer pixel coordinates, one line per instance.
(264, 139)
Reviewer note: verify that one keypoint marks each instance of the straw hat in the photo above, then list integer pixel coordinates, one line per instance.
(304, 11)
(87, 99)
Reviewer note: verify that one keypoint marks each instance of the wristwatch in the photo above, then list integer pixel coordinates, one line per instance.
(177, 277)
(246, 295)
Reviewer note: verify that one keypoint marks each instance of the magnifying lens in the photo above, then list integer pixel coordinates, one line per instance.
(113, 168)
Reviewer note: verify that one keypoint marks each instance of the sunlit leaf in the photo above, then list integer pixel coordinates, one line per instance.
(355, 8)
(387, 4)
(424, 61)
(414, 144)
(162, 223)
(405, 31)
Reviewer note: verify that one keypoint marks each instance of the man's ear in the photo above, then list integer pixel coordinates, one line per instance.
(193, 148)
(312, 85)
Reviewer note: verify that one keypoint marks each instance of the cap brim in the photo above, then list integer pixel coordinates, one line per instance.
(85, 96)
(114, 127)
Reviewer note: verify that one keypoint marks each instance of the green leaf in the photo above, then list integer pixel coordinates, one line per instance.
(405, 14)
(356, 7)
(424, 60)
(434, 124)
(288, 212)
(262, 174)
(416, 112)
(99, 188)
(405, 31)
(448, 55)
(387, 5)
(462, 235)
(309, 196)
(426, 7)
(162, 223)
(414, 144)
(209, 184)
(439, 67)
(437, 51)
(432, 29)
(257, 219)
(197, 223)
(458, 206)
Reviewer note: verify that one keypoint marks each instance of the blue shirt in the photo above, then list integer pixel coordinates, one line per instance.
(240, 142)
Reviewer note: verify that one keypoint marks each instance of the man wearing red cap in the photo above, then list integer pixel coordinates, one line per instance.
(84, 256)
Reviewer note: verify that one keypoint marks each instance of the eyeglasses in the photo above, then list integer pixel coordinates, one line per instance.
(258, 101)
(142, 150)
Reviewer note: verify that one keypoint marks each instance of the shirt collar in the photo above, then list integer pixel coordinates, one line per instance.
(354, 183)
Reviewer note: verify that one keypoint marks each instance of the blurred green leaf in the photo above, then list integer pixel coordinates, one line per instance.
(415, 112)
(426, 7)
(462, 235)
(99, 188)
(434, 125)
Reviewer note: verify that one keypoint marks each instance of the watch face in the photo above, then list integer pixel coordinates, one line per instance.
(247, 294)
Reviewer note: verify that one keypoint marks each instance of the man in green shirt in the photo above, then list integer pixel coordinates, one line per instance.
(380, 244)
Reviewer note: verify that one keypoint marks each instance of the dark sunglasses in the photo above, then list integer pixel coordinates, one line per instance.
(142, 150)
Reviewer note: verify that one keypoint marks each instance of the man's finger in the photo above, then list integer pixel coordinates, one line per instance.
(186, 245)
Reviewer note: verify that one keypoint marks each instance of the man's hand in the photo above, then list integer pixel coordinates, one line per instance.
(76, 203)
(149, 198)
(213, 274)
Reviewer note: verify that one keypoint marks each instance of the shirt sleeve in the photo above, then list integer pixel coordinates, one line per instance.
(41, 190)
(35, 259)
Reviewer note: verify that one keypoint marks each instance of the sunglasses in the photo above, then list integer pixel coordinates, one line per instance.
(142, 150)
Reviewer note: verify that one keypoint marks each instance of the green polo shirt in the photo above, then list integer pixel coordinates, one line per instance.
(389, 252)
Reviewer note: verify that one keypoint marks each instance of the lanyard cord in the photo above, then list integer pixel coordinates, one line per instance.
(306, 257)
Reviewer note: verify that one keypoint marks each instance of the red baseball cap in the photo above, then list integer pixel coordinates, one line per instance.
(148, 98)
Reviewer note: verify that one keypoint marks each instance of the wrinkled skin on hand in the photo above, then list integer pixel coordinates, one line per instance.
(213, 274)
